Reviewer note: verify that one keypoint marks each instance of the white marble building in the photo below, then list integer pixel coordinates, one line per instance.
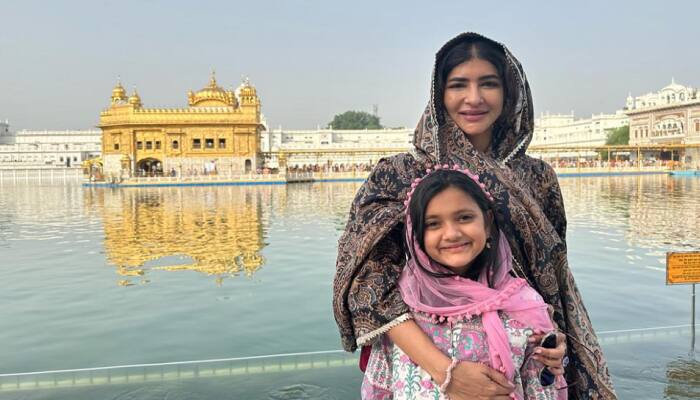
(332, 146)
(564, 130)
(674, 93)
(669, 116)
(41, 148)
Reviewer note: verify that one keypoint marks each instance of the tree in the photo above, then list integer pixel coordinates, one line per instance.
(355, 120)
(616, 136)
(619, 135)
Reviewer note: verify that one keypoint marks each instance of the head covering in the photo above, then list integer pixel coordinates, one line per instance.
(458, 298)
(528, 207)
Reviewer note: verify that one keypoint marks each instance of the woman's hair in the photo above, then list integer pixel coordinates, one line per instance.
(469, 49)
(430, 187)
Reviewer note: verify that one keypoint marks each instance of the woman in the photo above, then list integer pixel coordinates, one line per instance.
(480, 117)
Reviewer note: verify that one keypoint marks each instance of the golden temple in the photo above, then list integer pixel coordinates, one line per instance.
(218, 131)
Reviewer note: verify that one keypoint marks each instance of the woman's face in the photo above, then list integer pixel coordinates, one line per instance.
(455, 229)
(474, 98)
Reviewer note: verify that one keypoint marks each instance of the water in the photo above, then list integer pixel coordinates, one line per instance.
(105, 277)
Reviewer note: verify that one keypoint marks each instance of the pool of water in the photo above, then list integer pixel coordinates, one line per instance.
(111, 277)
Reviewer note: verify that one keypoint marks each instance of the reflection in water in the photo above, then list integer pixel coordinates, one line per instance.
(217, 231)
(683, 379)
(657, 212)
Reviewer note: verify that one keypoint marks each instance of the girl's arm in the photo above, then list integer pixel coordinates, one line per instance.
(469, 380)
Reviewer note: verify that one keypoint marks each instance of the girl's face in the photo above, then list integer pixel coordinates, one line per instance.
(474, 98)
(455, 229)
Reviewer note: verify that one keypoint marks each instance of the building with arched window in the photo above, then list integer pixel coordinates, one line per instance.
(219, 132)
(673, 93)
(670, 116)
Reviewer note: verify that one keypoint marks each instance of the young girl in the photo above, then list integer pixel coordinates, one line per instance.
(458, 281)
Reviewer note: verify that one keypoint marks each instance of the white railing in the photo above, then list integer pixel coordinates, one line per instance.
(40, 175)
(263, 364)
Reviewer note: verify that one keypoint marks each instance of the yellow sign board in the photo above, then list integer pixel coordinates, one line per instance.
(683, 268)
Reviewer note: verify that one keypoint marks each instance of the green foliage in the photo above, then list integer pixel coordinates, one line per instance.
(355, 120)
(619, 135)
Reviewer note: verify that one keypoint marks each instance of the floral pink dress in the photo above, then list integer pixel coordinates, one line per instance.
(390, 374)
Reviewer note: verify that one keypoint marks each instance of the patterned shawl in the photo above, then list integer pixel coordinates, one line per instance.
(528, 206)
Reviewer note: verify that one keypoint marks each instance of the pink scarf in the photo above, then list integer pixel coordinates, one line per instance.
(456, 297)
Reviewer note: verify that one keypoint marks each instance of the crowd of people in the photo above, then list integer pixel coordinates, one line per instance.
(624, 163)
(358, 167)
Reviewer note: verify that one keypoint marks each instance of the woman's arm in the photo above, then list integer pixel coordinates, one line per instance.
(469, 380)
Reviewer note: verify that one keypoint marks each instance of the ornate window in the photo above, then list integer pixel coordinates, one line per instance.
(139, 145)
(196, 143)
(222, 143)
(209, 143)
(176, 145)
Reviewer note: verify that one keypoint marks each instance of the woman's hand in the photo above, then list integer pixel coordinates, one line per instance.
(552, 358)
(477, 381)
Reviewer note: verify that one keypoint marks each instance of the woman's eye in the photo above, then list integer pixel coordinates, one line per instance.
(466, 218)
(431, 225)
(491, 84)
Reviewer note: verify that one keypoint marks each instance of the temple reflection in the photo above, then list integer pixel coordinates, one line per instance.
(217, 231)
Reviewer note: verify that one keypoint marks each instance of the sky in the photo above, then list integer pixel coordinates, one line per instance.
(310, 60)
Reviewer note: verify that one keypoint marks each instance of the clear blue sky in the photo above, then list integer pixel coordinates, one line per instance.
(313, 59)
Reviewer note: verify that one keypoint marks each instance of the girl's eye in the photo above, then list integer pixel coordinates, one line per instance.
(466, 217)
(456, 85)
(431, 225)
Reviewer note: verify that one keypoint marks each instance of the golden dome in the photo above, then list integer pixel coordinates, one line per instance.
(246, 89)
(118, 93)
(135, 99)
(212, 95)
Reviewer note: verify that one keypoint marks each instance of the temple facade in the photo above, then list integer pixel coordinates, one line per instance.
(670, 116)
(219, 132)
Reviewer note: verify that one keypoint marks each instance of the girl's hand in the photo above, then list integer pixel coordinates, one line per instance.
(552, 358)
(476, 381)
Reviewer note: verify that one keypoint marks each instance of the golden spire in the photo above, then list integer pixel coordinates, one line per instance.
(212, 80)
(118, 93)
(135, 99)
(247, 91)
